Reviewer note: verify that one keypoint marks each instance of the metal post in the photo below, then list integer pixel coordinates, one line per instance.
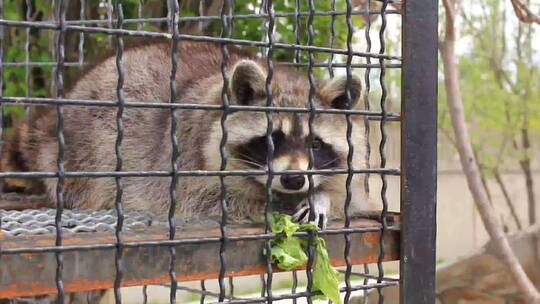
(419, 151)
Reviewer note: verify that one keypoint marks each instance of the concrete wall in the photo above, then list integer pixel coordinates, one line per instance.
(459, 227)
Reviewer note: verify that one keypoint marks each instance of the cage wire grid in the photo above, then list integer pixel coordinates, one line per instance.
(113, 27)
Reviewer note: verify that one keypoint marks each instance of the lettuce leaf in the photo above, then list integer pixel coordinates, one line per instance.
(325, 277)
(289, 252)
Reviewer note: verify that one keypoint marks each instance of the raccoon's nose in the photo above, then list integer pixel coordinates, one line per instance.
(293, 182)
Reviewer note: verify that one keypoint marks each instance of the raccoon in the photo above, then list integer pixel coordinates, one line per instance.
(90, 133)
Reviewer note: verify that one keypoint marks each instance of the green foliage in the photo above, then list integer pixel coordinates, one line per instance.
(497, 85)
(253, 29)
(40, 77)
(96, 44)
(14, 77)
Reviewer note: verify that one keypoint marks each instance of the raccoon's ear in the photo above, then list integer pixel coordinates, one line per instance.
(334, 92)
(248, 82)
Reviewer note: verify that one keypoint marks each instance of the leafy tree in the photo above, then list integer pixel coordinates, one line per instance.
(500, 98)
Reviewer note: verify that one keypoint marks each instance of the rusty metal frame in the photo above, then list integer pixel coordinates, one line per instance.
(147, 263)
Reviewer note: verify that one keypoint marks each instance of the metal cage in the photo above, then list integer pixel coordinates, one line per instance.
(60, 251)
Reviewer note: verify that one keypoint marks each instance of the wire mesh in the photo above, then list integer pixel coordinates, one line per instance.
(42, 221)
(339, 56)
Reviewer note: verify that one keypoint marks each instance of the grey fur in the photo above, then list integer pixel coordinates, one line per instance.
(90, 133)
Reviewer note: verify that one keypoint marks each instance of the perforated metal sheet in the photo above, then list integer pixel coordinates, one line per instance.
(41, 221)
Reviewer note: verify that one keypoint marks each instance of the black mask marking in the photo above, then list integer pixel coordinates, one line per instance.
(256, 150)
(324, 156)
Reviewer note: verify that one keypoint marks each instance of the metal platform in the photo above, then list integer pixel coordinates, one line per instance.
(89, 249)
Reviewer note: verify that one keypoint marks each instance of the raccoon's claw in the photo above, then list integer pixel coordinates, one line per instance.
(301, 214)
(321, 204)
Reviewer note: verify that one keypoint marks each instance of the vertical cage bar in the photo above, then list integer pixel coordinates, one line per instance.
(2, 41)
(382, 149)
(231, 18)
(1, 94)
(264, 38)
(60, 14)
(311, 190)
(350, 154)
(332, 38)
(225, 33)
(145, 294)
(28, 17)
(82, 16)
(52, 45)
(367, 89)
(109, 18)
(296, 30)
(119, 264)
(367, 132)
(418, 151)
(231, 288)
(201, 12)
(140, 24)
(365, 282)
(174, 12)
(294, 284)
(263, 286)
(269, 26)
(203, 293)
(297, 56)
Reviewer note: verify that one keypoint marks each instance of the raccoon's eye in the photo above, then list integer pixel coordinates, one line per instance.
(316, 144)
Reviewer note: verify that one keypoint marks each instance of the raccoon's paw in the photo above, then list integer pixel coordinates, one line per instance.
(321, 204)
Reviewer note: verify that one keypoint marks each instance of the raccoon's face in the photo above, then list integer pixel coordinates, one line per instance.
(292, 144)
(247, 143)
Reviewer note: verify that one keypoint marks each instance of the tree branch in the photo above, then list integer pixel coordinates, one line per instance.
(501, 75)
(523, 13)
(469, 166)
(507, 198)
(450, 13)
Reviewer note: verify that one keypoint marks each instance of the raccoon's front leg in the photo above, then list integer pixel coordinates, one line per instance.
(321, 205)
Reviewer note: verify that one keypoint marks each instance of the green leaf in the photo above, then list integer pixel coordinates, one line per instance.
(325, 277)
(282, 223)
(289, 252)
